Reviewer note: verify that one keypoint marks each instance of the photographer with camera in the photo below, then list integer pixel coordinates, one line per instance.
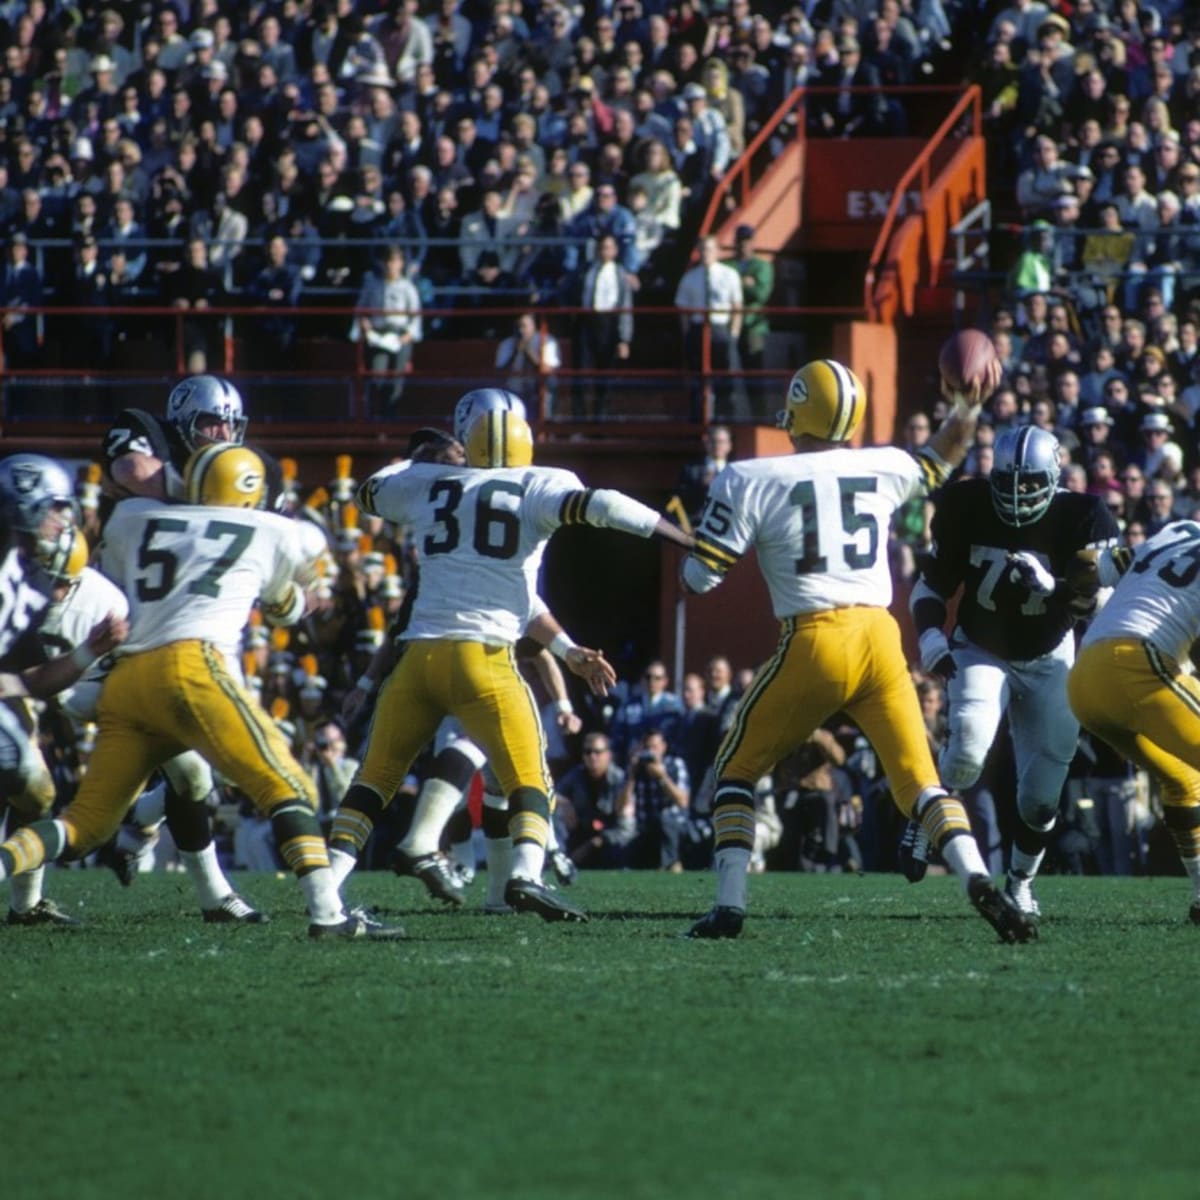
(331, 769)
(591, 807)
(657, 794)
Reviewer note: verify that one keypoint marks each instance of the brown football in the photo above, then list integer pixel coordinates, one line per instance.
(966, 359)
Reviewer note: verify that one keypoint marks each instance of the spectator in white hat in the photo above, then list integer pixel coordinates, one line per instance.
(1153, 433)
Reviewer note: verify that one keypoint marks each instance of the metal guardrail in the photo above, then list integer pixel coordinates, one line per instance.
(921, 174)
(330, 379)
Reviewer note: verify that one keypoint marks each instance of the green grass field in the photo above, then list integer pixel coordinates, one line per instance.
(864, 1038)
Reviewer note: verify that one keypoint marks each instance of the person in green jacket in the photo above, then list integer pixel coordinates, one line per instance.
(758, 282)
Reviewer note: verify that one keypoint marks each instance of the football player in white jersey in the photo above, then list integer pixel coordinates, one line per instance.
(441, 804)
(192, 573)
(819, 521)
(37, 538)
(145, 455)
(82, 597)
(482, 535)
(1129, 686)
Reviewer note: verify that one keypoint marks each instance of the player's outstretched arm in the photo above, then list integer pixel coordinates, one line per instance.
(49, 678)
(672, 533)
(590, 665)
(606, 508)
(550, 673)
(956, 433)
(367, 684)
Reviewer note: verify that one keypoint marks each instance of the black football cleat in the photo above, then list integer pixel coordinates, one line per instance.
(721, 921)
(525, 895)
(44, 912)
(564, 869)
(1000, 911)
(122, 863)
(1194, 913)
(233, 910)
(357, 927)
(433, 871)
(913, 852)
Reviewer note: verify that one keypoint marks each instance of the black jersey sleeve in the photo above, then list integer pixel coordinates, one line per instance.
(27, 651)
(137, 432)
(1099, 527)
(943, 564)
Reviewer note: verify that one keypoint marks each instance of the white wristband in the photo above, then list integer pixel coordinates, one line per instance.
(561, 645)
(83, 656)
(365, 683)
(564, 706)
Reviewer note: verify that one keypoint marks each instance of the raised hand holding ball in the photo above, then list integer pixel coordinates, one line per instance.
(970, 368)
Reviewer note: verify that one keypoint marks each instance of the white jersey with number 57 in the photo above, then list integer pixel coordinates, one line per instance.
(481, 535)
(193, 572)
(819, 522)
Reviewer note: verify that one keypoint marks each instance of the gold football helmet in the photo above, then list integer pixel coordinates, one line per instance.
(825, 400)
(66, 556)
(225, 475)
(499, 438)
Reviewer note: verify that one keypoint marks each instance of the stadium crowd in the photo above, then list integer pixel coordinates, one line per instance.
(203, 155)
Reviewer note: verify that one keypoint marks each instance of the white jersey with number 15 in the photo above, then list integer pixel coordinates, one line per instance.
(819, 522)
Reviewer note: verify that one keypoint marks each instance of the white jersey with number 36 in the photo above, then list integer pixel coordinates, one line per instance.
(819, 522)
(481, 535)
(194, 572)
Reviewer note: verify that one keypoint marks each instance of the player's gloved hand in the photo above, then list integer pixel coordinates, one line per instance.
(936, 658)
(1024, 569)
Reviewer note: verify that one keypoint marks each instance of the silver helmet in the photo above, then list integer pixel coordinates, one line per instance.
(481, 400)
(32, 485)
(205, 396)
(1025, 472)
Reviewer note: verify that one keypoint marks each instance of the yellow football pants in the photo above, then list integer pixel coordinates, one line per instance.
(478, 684)
(160, 703)
(1136, 699)
(39, 795)
(848, 660)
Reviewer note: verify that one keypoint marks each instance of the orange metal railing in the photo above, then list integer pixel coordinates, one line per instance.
(328, 380)
(896, 264)
(733, 190)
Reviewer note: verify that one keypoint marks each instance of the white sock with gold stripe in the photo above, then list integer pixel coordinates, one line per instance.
(1192, 866)
(26, 891)
(321, 894)
(341, 864)
(962, 856)
(732, 863)
(499, 868)
(435, 806)
(528, 861)
(206, 875)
